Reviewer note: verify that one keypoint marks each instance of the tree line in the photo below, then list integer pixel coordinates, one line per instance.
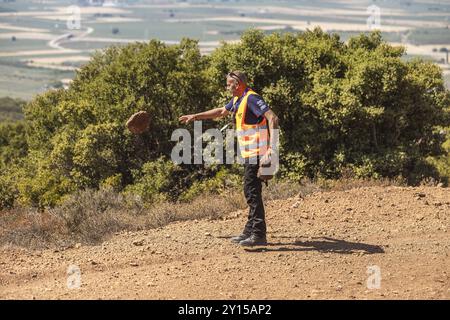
(353, 106)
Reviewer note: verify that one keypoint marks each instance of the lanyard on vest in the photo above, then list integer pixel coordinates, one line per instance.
(236, 105)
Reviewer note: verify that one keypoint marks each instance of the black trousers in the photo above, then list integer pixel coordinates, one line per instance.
(256, 223)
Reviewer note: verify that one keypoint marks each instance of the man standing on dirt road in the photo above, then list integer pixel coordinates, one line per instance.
(255, 129)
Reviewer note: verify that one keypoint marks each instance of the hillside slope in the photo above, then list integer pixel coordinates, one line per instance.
(320, 247)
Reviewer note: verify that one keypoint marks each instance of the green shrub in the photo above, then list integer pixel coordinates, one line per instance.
(13, 143)
(224, 179)
(155, 181)
(356, 105)
(8, 189)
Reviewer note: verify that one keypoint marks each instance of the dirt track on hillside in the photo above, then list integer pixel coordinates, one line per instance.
(320, 247)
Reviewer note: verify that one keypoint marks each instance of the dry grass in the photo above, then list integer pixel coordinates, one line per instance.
(92, 216)
(283, 189)
(348, 183)
(30, 228)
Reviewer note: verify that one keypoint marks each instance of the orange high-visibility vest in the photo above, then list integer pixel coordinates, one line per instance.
(253, 139)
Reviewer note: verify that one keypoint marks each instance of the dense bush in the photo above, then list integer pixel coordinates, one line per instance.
(155, 181)
(13, 144)
(355, 106)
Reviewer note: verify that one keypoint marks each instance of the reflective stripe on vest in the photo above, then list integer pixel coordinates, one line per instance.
(261, 145)
(252, 138)
(250, 131)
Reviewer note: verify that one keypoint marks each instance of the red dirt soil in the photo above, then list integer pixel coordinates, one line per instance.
(321, 246)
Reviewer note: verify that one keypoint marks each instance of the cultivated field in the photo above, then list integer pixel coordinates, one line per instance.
(33, 32)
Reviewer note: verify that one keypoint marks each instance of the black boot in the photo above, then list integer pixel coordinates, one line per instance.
(254, 240)
(239, 238)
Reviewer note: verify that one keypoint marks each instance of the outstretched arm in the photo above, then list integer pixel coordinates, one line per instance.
(210, 114)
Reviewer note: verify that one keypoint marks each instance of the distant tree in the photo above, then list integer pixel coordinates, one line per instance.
(78, 135)
(11, 109)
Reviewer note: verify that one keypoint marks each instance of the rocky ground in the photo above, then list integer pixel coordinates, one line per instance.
(365, 243)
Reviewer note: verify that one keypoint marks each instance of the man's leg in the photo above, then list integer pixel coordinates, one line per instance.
(255, 202)
(249, 196)
(248, 228)
(253, 193)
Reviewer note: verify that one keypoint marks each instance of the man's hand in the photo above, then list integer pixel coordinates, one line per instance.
(267, 158)
(187, 118)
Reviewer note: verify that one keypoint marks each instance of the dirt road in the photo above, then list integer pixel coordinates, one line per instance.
(328, 245)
